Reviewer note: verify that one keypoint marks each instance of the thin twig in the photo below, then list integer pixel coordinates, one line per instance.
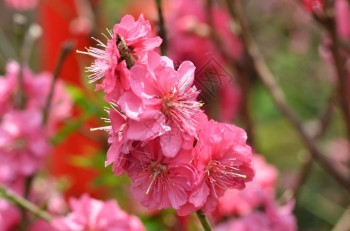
(304, 172)
(21, 33)
(204, 221)
(345, 44)
(339, 62)
(15, 198)
(327, 20)
(277, 95)
(322, 126)
(242, 73)
(161, 28)
(33, 33)
(67, 47)
(326, 117)
(6, 48)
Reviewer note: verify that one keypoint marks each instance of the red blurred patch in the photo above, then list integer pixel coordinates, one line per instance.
(58, 19)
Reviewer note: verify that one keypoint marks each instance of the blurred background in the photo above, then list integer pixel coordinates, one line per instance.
(295, 46)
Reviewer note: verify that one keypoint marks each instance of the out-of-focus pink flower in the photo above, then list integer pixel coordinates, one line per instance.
(244, 202)
(91, 214)
(138, 37)
(44, 193)
(36, 90)
(342, 16)
(223, 160)
(313, 5)
(162, 103)
(272, 219)
(230, 98)
(190, 39)
(22, 5)
(160, 182)
(23, 144)
(339, 151)
(9, 216)
(81, 26)
(40, 225)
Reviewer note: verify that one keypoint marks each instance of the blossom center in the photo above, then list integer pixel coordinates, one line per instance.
(155, 170)
(223, 175)
(167, 104)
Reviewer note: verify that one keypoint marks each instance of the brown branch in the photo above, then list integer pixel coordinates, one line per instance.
(161, 28)
(66, 49)
(304, 173)
(339, 62)
(326, 117)
(277, 95)
(327, 20)
(307, 161)
(242, 73)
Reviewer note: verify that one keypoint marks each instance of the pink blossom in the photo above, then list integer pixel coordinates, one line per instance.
(272, 219)
(92, 214)
(120, 146)
(244, 202)
(162, 103)
(9, 216)
(342, 15)
(44, 193)
(22, 5)
(23, 144)
(223, 160)
(158, 181)
(40, 225)
(139, 39)
(313, 5)
(190, 40)
(137, 34)
(36, 89)
(339, 151)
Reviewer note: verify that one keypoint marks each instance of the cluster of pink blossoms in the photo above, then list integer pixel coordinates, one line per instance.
(254, 208)
(24, 137)
(92, 214)
(159, 135)
(22, 5)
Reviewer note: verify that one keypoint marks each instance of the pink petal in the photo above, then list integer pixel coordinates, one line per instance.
(171, 142)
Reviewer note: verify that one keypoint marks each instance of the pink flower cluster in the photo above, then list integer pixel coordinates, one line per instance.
(9, 215)
(92, 214)
(254, 208)
(23, 136)
(86, 213)
(22, 5)
(159, 135)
